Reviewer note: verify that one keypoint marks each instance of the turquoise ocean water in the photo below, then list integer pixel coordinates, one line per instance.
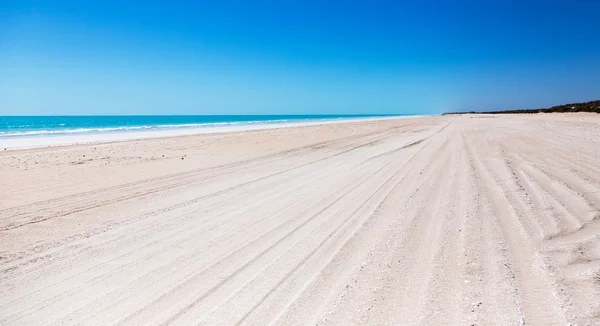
(41, 126)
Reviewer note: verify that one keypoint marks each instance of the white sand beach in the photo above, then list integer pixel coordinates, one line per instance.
(466, 220)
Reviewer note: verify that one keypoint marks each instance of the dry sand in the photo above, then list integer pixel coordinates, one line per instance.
(467, 220)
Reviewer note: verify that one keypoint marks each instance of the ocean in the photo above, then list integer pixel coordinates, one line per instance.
(40, 126)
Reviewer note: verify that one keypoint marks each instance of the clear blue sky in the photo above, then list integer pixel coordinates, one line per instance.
(263, 57)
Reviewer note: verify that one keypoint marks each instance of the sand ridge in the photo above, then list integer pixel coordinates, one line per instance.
(436, 220)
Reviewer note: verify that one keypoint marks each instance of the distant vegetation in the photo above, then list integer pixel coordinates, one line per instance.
(592, 106)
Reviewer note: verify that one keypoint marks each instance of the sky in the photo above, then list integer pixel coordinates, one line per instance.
(295, 57)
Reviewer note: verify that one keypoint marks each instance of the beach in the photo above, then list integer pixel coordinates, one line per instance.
(466, 220)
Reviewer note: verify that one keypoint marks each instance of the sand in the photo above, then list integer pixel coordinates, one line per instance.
(466, 220)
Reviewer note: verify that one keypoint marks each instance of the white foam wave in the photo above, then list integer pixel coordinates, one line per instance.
(50, 132)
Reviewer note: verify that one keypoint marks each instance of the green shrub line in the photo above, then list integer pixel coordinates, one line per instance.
(592, 106)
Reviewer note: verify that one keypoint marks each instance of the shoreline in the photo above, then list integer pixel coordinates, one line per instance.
(31, 142)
